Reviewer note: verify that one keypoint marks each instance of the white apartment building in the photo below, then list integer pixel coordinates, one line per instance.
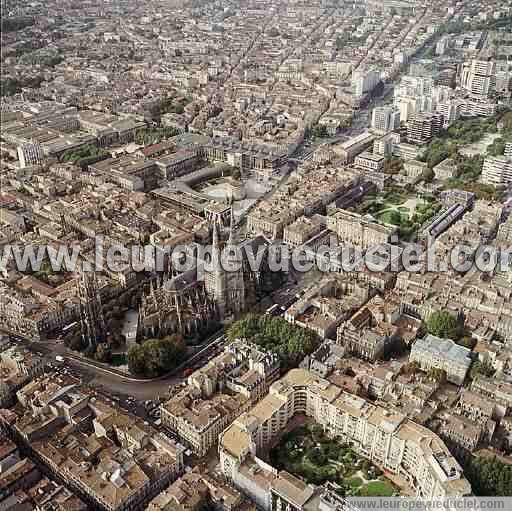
(478, 77)
(365, 81)
(451, 110)
(385, 119)
(386, 144)
(30, 154)
(389, 439)
(497, 170)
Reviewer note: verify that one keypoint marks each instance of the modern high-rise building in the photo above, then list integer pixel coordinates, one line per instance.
(503, 81)
(414, 86)
(478, 77)
(385, 119)
(421, 128)
(365, 81)
(497, 170)
(451, 110)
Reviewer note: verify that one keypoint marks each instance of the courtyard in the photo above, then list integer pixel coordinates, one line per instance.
(397, 207)
(309, 453)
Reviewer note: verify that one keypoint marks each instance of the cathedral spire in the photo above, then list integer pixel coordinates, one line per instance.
(216, 253)
(231, 239)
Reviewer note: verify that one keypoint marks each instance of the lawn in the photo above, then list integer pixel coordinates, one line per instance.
(377, 489)
(308, 453)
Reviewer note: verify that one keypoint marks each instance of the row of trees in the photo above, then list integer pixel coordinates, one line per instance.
(10, 85)
(82, 153)
(146, 136)
(291, 343)
(155, 357)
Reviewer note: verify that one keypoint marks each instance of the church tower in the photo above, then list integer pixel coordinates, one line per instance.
(214, 277)
(235, 283)
(224, 281)
(92, 322)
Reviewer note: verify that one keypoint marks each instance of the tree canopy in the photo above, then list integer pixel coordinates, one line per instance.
(489, 476)
(291, 342)
(442, 324)
(157, 356)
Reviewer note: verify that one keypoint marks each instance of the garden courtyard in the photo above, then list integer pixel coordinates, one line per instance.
(308, 453)
(396, 207)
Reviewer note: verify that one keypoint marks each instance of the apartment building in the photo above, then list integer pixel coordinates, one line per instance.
(198, 421)
(499, 392)
(461, 434)
(194, 491)
(354, 229)
(478, 77)
(388, 439)
(422, 127)
(433, 352)
(218, 393)
(300, 231)
(17, 366)
(307, 194)
(505, 231)
(364, 81)
(497, 170)
(385, 119)
(30, 154)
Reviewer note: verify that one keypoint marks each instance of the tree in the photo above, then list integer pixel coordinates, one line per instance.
(290, 342)
(489, 476)
(76, 343)
(157, 356)
(320, 131)
(103, 353)
(480, 369)
(438, 375)
(136, 360)
(442, 324)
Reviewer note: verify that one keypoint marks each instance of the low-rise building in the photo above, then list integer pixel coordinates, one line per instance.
(300, 231)
(112, 460)
(433, 352)
(370, 161)
(446, 169)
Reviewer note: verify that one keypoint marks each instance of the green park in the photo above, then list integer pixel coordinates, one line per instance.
(397, 207)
